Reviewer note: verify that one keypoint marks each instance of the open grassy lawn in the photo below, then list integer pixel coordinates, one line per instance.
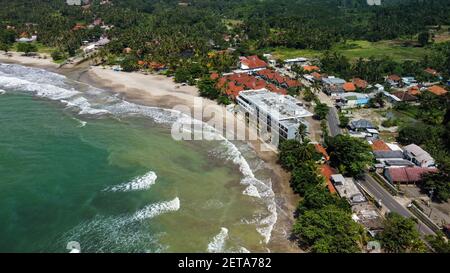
(366, 49)
(360, 49)
(290, 53)
(41, 48)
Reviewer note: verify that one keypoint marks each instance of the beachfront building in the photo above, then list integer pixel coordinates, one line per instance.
(77, 2)
(346, 188)
(275, 116)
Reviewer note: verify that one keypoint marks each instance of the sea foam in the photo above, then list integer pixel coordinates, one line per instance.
(217, 245)
(139, 183)
(35, 81)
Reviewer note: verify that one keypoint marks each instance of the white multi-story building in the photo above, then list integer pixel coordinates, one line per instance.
(77, 2)
(275, 116)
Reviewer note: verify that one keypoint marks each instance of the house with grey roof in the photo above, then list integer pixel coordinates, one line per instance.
(418, 156)
(333, 85)
(361, 125)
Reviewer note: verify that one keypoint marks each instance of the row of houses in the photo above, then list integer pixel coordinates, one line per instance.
(363, 211)
(402, 165)
(91, 47)
(357, 92)
(254, 75)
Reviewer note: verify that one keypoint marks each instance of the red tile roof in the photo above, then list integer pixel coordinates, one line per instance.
(321, 150)
(292, 83)
(264, 72)
(233, 90)
(408, 174)
(310, 68)
(431, 71)
(316, 76)
(349, 87)
(360, 83)
(327, 171)
(278, 78)
(404, 96)
(214, 76)
(437, 90)
(379, 145)
(414, 90)
(273, 88)
(253, 62)
(394, 77)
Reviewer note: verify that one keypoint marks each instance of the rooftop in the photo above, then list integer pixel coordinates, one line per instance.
(408, 174)
(252, 62)
(379, 145)
(333, 80)
(347, 188)
(437, 90)
(361, 124)
(388, 154)
(420, 154)
(281, 107)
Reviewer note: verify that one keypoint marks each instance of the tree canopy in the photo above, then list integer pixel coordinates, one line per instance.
(350, 155)
(400, 235)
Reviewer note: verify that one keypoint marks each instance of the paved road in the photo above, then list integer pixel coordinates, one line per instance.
(333, 122)
(390, 203)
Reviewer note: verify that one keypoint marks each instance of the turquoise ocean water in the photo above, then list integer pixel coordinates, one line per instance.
(80, 164)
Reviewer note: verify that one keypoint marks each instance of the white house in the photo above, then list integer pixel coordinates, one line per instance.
(418, 156)
(77, 2)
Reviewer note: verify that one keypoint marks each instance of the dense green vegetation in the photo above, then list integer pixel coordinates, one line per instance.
(350, 155)
(438, 243)
(349, 37)
(432, 132)
(181, 36)
(374, 69)
(400, 235)
(324, 221)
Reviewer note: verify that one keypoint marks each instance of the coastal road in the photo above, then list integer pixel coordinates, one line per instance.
(333, 122)
(390, 203)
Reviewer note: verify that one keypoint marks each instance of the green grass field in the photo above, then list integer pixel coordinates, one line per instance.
(360, 49)
(40, 47)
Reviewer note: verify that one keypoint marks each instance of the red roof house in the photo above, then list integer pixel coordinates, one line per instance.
(437, 90)
(431, 71)
(349, 87)
(321, 150)
(310, 68)
(379, 145)
(326, 172)
(406, 174)
(252, 62)
(360, 83)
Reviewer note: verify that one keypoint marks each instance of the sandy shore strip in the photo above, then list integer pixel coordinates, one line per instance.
(18, 58)
(161, 91)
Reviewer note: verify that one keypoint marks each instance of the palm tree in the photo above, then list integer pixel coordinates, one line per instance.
(301, 133)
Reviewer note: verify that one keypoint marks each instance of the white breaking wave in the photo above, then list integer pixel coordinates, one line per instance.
(217, 245)
(82, 123)
(121, 233)
(34, 80)
(139, 183)
(154, 210)
(39, 89)
(2, 91)
(251, 190)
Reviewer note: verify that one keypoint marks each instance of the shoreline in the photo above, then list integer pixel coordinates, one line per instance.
(161, 91)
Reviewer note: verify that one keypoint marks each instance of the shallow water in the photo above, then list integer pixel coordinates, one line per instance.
(79, 164)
